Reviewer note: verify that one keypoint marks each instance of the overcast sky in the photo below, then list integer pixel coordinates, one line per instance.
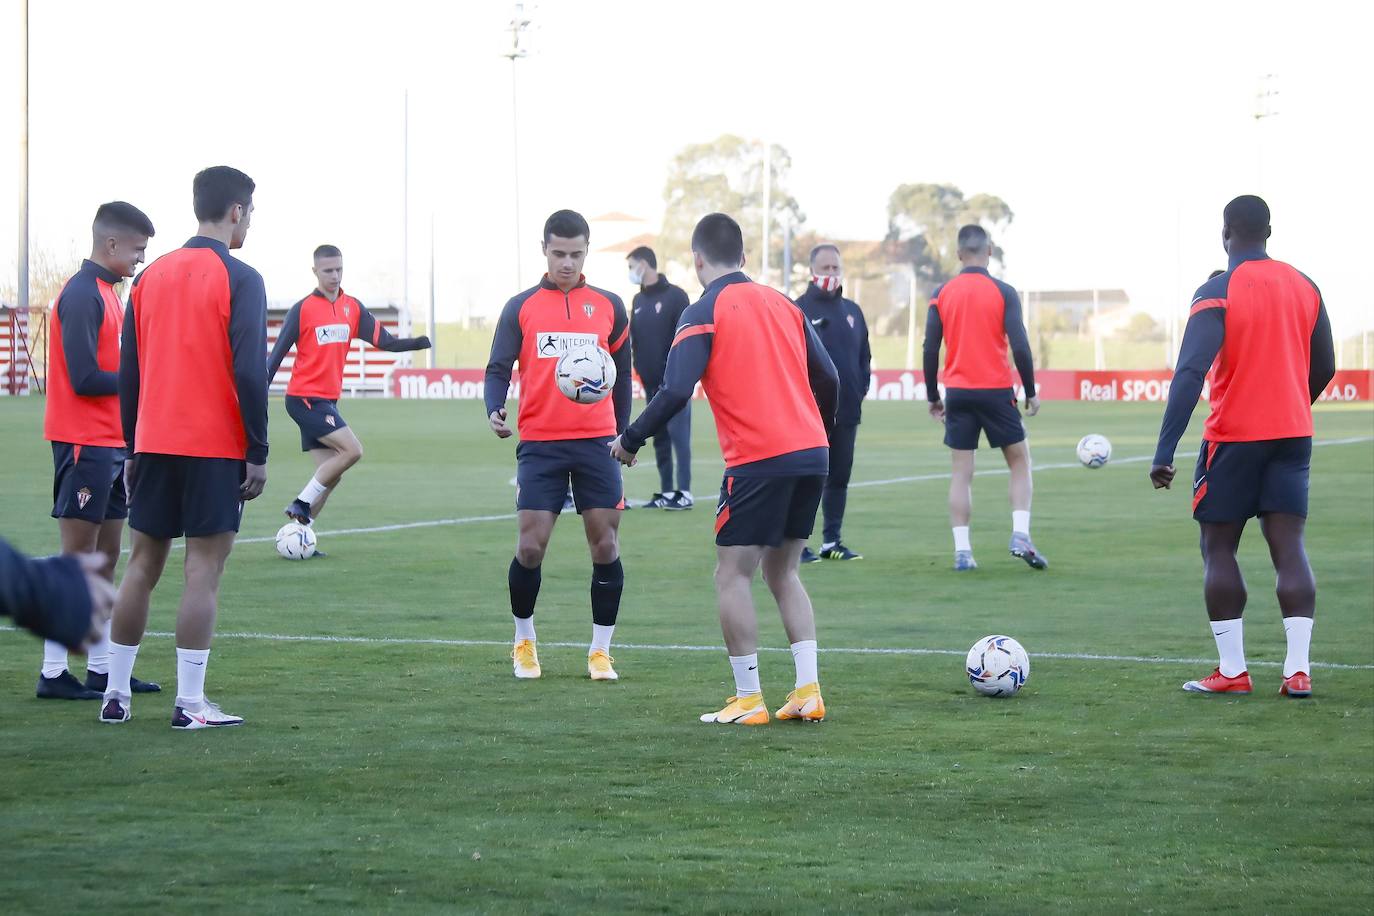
(1116, 132)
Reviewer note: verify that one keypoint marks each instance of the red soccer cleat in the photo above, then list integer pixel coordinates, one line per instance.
(1298, 685)
(1216, 682)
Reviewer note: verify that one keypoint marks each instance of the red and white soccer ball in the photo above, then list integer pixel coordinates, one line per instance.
(585, 374)
(997, 666)
(296, 541)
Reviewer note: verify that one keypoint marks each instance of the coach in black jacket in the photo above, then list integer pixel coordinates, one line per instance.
(654, 316)
(839, 322)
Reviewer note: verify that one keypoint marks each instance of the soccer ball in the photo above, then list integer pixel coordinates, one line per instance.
(296, 541)
(1094, 450)
(998, 666)
(585, 374)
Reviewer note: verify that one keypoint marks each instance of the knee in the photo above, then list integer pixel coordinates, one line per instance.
(353, 455)
(605, 549)
(779, 581)
(529, 552)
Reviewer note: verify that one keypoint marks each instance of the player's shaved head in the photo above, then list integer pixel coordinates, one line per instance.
(822, 247)
(1246, 219)
(973, 240)
(118, 217)
(328, 251)
(719, 241)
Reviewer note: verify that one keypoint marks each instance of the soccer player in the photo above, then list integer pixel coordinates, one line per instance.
(81, 420)
(193, 399)
(977, 316)
(1264, 327)
(65, 598)
(562, 441)
(322, 327)
(654, 315)
(840, 325)
(773, 391)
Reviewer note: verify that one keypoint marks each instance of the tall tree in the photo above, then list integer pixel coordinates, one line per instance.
(923, 227)
(726, 175)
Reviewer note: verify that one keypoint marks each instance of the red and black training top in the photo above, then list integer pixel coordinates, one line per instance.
(83, 361)
(322, 332)
(978, 317)
(192, 380)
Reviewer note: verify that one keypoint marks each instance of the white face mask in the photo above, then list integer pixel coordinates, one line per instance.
(637, 277)
(826, 284)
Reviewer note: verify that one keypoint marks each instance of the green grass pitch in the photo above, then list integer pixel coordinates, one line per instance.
(402, 767)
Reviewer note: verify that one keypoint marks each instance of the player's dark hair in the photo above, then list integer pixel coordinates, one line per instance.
(974, 239)
(328, 251)
(218, 188)
(1248, 218)
(824, 246)
(118, 216)
(566, 224)
(719, 241)
(1214, 274)
(644, 253)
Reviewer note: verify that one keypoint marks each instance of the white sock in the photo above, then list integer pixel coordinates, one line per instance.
(121, 669)
(746, 674)
(1299, 632)
(685, 493)
(961, 541)
(191, 676)
(601, 637)
(826, 545)
(1230, 646)
(804, 657)
(313, 491)
(1020, 522)
(524, 628)
(54, 658)
(98, 656)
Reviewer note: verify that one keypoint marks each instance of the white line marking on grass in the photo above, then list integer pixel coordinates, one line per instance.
(945, 475)
(652, 647)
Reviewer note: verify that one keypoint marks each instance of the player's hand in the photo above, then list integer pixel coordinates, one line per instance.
(937, 410)
(130, 471)
(253, 481)
(620, 453)
(498, 423)
(1161, 475)
(1032, 405)
(102, 593)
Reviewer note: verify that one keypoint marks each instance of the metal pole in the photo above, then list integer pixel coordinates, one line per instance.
(515, 165)
(767, 206)
(1097, 337)
(433, 328)
(405, 205)
(24, 156)
(786, 284)
(911, 324)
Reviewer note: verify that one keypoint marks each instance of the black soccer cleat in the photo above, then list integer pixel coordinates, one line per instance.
(101, 681)
(809, 556)
(838, 551)
(679, 501)
(298, 511)
(64, 687)
(657, 501)
(319, 555)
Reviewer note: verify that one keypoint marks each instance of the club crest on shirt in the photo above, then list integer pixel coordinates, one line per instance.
(658, 308)
(345, 311)
(83, 496)
(851, 320)
(589, 309)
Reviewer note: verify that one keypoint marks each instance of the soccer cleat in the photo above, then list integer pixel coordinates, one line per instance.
(963, 561)
(319, 555)
(679, 501)
(741, 711)
(116, 711)
(1298, 684)
(657, 501)
(804, 703)
(99, 682)
(298, 511)
(838, 551)
(809, 556)
(599, 666)
(64, 687)
(526, 659)
(208, 715)
(1216, 682)
(1022, 548)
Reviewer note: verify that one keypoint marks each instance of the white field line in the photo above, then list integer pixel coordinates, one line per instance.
(650, 647)
(944, 475)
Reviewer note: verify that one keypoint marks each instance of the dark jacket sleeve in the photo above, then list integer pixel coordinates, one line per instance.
(1323, 355)
(1202, 340)
(248, 342)
(372, 331)
(823, 376)
(865, 353)
(81, 319)
(505, 350)
(290, 333)
(47, 597)
(1015, 327)
(930, 352)
(622, 396)
(129, 381)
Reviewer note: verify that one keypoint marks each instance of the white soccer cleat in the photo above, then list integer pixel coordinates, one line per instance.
(207, 715)
(116, 710)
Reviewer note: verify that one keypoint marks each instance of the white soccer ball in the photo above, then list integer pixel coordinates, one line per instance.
(1094, 450)
(998, 666)
(296, 541)
(585, 374)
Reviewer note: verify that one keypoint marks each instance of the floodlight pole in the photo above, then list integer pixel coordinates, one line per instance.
(767, 206)
(405, 206)
(24, 156)
(518, 25)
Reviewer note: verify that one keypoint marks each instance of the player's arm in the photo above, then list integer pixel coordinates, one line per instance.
(53, 597)
(371, 330)
(1322, 368)
(129, 380)
(82, 318)
(823, 376)
(622, 395)
(687, 360)
(247, 343)
(1202, 340)
(290, 333)
(505, 350)
(1015, 327)
(930, 359)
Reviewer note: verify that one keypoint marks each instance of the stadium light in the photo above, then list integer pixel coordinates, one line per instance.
(519, 24)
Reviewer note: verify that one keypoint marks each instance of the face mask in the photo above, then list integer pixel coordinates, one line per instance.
(636, 277)
(826, 284)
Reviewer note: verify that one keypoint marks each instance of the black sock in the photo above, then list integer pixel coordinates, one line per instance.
(524, 589)
(608, 580)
